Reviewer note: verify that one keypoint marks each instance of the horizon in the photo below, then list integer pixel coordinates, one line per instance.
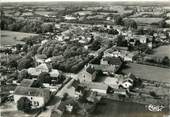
(41, 1)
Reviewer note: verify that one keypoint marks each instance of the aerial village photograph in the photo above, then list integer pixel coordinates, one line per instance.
(85, 58)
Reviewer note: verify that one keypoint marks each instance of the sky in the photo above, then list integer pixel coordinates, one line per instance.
(79, 0)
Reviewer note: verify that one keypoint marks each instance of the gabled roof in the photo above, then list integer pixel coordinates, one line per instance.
(113, 60)
(95, 85)
(54, 73)
(90, 69)
(29, 91)
(27, 82)
(44, 66)
(104, 68)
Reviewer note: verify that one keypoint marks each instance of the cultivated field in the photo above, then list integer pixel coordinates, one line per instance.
(12, 38)
(147, 20)
(162, 51)
(43, 13)
(149, 72)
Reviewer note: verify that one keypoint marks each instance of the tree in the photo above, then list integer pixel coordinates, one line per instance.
(162, 24)
(166, 61)
(24, 104)
(129, 23)
(44, 77)
(13, 63)
(65, 96)
(95, 45)
(25, 63)
(23, 75)
(118, 20)
(18, 47)
(140, 31)
(119, 40)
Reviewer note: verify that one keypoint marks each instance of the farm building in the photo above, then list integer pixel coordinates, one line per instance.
(38, 96)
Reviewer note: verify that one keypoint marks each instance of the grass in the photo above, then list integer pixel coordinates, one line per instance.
(149, 72)
(13, 38)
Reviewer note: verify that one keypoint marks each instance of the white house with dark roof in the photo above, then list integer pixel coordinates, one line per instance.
(38, 96)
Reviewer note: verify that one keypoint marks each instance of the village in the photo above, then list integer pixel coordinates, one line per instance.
(79, 58)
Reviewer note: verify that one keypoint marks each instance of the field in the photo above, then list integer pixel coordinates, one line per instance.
(149, 72)
(43, 13)
(142, 20)
(162, 51)
(12, 38)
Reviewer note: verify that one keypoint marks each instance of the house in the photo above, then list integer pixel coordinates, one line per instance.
(120, 92)
(27, 82)
(39, 69)
(111, 61)
(88, 74)
(40, 58)
(119, 81)
(69, 17)
(67, 105)
(110, 64)
(100, 88)
(38, 96)
(44, 41)
(120, 52)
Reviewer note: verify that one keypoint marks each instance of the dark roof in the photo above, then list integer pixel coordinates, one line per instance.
(27, 82)
(29, 91)
(75, 83)
(90, 69)
(113, 60)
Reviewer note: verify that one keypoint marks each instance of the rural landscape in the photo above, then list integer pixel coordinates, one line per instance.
(85, 59)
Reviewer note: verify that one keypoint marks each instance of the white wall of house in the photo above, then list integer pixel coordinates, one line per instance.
(85, 77)
(37, 102)
(101, 91)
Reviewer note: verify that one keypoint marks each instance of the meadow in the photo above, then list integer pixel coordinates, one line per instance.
(149, 72)
(148, 20)
(13, 38)
(43, 13)
(162, 51)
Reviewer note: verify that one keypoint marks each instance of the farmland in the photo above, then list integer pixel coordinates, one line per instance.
(149, 72)
(43, 13)
(162, 51)
(142, 20)
(12, 38)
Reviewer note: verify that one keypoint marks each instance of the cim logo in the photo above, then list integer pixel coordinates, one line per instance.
(155, 108)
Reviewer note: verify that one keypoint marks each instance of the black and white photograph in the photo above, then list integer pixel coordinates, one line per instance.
(85, 58)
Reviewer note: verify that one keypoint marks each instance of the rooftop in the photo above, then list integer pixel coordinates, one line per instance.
(113, 60)
(27, 82)
(93, 85)
(29, 91)
(108, 68)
